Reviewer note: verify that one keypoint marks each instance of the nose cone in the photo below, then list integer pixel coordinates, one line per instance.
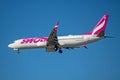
(10, 45)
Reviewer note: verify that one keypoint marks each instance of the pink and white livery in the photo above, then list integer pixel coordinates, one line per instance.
(54, 43)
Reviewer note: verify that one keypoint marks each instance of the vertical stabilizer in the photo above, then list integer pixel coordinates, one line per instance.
(100, 28)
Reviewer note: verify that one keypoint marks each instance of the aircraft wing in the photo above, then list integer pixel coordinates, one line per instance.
(52, 41)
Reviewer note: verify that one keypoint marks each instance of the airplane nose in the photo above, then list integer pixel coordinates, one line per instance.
(10, 45)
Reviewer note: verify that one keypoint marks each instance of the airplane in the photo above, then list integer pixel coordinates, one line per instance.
(54, 43)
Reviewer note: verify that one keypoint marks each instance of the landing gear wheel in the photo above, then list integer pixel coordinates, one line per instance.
(60, 51)
(18, 51)
(56, 48)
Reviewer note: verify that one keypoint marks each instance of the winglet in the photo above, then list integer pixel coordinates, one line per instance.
(56, 26)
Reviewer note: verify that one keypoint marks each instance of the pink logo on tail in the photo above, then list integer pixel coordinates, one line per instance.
(101, 26)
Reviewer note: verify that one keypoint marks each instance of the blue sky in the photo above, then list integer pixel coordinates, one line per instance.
(35, 18)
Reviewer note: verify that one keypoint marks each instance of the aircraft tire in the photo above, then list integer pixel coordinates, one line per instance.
(60, 51)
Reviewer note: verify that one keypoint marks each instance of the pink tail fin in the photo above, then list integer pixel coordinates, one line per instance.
(100, 28)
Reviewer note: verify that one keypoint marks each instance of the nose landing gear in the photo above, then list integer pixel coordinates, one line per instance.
(18, 51)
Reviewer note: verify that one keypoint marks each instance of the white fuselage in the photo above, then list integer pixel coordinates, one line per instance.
(71, 41)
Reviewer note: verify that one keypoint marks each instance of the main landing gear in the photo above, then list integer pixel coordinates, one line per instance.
(60, 51)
